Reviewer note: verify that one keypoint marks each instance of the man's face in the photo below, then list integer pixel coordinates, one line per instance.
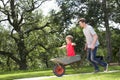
(82, 24)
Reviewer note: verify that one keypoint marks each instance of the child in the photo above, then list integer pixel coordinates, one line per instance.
(69, 46)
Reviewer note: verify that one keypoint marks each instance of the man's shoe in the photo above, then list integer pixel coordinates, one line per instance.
(96, 71)
(106, 68)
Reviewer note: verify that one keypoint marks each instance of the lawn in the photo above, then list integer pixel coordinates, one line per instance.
(24, 74)
(99, 76)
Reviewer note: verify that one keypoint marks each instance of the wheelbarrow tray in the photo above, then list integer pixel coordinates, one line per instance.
(66, 60)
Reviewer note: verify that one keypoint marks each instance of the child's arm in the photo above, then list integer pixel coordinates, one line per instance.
(73, 44)
(62, 46)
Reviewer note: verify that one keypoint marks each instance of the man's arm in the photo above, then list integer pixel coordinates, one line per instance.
(95, 38)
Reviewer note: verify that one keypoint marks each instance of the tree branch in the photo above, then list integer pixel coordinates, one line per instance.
(42, 46)
(40, 3)
(10, 55)
(3, 11)
(117, 1)
(3, 20)
(7, 2)
(30, 23)
(33, 48)
(4, 4)
(21, 19)
(36, 28)
(8, 16)
(16, 40)
(38, 44)
(33, 5)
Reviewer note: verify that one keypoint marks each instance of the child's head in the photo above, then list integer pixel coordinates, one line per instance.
(69, 38)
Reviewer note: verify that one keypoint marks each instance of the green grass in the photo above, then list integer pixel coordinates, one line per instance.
(27, 74)
(24, 74)
(97, 76)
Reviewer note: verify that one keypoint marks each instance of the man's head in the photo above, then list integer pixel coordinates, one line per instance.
(82, 22)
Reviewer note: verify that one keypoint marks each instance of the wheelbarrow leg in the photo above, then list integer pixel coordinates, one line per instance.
(76, 66)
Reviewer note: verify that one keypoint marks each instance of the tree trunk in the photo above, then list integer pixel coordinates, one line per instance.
(108, 35)
(46, 62)
(23, 65)
(23, 61)
(8, 63)
(23, 54)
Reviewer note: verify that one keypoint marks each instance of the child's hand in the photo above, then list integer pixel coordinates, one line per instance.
(62, 47)
(73, 44)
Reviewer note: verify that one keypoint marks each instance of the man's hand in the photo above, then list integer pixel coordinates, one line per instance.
(85, 48)
(92, 47)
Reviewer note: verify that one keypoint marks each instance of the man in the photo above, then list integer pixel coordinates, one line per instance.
(92, 45)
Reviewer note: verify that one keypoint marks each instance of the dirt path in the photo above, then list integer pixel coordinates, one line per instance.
(37, 78)
(47, 77)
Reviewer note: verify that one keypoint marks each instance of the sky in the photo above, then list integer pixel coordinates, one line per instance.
(48, 6)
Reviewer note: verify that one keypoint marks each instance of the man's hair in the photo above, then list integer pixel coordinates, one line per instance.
(69, 37)
(82, 20)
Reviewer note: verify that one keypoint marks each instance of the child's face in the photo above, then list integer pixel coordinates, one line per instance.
(68, 40)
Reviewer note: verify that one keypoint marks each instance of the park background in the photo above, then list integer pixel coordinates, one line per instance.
(32, 30)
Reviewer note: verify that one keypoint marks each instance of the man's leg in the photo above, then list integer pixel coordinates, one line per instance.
(93, 63)
(96, 60)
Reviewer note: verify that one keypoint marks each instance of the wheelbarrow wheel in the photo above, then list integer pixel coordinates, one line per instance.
(59, 70)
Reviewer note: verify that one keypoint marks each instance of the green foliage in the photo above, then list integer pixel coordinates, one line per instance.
(45, 42)
(115, 44)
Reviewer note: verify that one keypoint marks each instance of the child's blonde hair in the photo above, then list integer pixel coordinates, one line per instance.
(70, 37)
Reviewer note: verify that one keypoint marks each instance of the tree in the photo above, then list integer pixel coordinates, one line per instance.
(108, 34)
(19, 14)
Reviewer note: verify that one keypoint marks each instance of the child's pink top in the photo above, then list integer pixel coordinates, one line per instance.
(70, 50)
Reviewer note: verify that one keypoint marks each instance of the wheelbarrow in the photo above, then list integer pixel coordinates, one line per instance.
(60, 63)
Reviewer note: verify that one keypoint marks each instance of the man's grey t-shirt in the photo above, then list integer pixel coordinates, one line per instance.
(89, 32)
